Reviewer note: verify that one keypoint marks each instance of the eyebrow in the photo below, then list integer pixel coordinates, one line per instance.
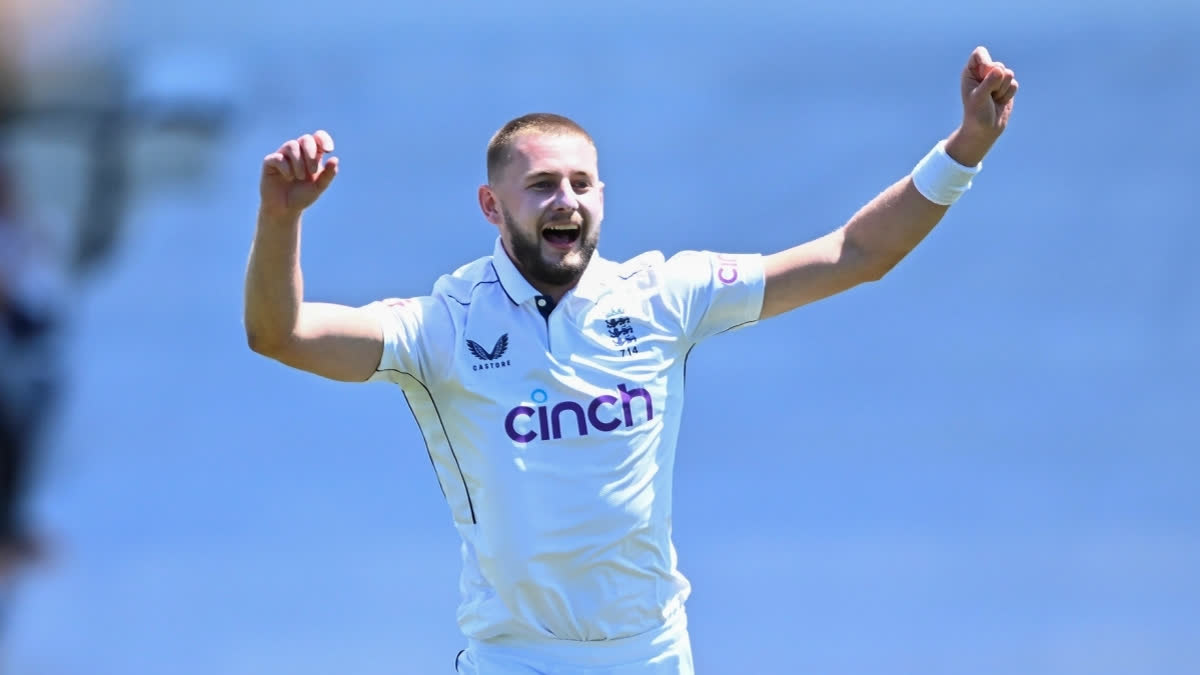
(552, 174)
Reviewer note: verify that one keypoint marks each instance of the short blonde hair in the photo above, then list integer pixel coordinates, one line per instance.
(499, 150)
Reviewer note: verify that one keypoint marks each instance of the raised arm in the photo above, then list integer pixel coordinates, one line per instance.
(334, 341)
(888, 227)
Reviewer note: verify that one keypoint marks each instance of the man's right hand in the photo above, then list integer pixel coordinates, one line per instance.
(294, 176)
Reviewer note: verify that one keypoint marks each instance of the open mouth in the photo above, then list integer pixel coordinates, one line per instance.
(561, 235)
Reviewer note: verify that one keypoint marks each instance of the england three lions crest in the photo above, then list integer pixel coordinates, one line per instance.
(621, 331)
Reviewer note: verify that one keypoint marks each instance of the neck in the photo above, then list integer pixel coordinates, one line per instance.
(555, 292)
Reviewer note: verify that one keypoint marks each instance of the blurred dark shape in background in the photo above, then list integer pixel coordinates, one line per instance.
(91, 105)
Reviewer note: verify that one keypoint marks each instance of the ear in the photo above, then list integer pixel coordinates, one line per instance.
(490, 205)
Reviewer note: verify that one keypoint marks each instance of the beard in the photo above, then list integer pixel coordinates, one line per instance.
(527, 252)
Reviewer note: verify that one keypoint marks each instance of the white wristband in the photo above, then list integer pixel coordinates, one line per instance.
(941, 179)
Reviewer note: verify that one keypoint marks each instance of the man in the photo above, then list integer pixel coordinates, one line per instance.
(547, 381)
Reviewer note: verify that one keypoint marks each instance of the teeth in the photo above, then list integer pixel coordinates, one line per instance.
(564, 228)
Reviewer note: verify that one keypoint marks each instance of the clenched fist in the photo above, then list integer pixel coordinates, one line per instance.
(296, 174)
(988, 88)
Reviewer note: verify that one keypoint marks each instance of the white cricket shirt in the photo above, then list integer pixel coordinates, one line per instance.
(552, 431)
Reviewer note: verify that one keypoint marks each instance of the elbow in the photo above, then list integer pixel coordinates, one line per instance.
(264, 345)
(256, 343)
(872, 265)
(876, 270)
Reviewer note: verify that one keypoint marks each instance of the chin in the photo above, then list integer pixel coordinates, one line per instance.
(572, 259)
(570, 264)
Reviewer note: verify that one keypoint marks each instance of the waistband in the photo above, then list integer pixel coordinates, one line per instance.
(587, 653)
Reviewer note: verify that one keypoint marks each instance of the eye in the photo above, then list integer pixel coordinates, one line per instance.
(542, 185)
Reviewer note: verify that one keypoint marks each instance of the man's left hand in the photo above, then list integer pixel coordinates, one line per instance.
(988, 88)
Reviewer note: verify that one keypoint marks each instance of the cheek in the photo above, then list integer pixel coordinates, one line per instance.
(594, 205)
(533, 209)
(527, 222)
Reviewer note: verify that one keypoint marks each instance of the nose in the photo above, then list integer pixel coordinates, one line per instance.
(565, 198)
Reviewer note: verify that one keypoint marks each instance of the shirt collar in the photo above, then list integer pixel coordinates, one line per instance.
(511, 280)
(520, 291)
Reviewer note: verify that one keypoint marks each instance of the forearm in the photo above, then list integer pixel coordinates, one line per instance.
(274, 284)
(891, 225)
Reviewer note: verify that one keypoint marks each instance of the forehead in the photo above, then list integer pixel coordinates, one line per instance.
(560, 153)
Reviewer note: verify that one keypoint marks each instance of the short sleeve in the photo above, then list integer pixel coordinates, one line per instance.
(413, 329)
(713, 292)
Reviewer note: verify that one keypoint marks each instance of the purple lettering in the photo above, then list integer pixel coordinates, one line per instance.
(509, 424)
(580, 420)
(727, 270)
(628, 396)
(545, 424)
(549, 418)
(594, 407)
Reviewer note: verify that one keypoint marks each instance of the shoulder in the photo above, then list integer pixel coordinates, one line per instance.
(638, 264)
(618, 273)
(450, 293)
(464, 283)
(653, 268)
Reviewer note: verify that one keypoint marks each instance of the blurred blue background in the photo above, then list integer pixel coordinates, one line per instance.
(986, 462)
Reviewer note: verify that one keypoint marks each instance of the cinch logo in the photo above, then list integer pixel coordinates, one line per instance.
(727, 269)
(603, 413)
